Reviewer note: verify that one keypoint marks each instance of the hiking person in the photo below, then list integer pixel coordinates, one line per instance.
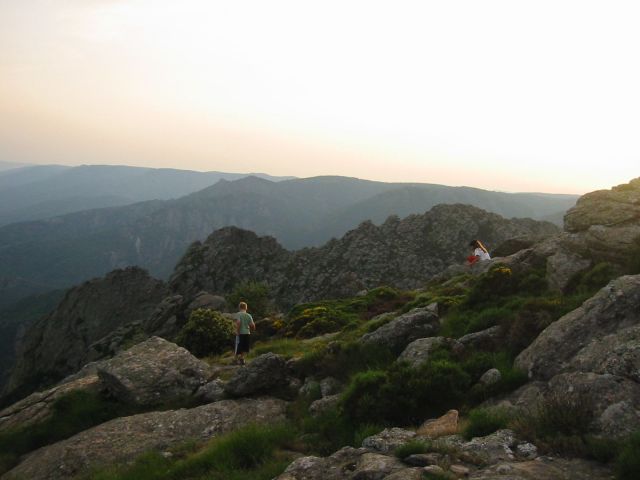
(480, 252)
(244, 325)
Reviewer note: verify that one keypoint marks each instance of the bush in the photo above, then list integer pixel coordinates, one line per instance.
(255, 295)
(404, 395)
(342, 359)
(207, 332)
(483, 422)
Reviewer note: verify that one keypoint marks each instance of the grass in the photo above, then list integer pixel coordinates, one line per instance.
(482, 422)
(251, 453)
(414, 447)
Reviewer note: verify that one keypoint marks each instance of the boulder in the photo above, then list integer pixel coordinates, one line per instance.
(614, 402)
(346, 464)
(329, 386)
(490, 377)
(570, 343)
(488, 339)
(38, 406)
(324, 404)
(438, 427)
(418, 351)
(266, 373)
(211, 392)
(122, 439)
(153, 372)
(404, 329)
(388, 440)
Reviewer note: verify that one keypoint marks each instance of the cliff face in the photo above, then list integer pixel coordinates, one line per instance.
(401, 253)
(58, 344)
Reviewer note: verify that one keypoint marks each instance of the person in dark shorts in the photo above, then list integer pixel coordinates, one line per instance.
(244, 325)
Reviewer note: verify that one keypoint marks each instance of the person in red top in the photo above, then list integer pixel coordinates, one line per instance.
(480, 252)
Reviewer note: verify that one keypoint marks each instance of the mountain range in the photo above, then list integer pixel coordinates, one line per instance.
(41, 191)
(60, 251)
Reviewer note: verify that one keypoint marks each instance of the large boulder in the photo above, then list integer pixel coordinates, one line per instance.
(153, 372)
(592, 353)
(266, 373)
(404, 329)
(574, 342)
(123, 439)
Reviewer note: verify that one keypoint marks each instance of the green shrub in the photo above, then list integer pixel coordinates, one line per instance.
(207, 332)
(342, 359)
(592, 280)
(256, 295)
(403, 395)
(497, 282)
(483, 422)
(628, 462)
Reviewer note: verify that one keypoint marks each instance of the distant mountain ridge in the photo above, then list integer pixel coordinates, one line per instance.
(42, 191)
(66, 250)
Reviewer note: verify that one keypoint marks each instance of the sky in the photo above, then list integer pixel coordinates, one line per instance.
(505, 95)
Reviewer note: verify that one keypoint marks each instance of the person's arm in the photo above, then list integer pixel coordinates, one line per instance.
(252, 324)
(238, 327)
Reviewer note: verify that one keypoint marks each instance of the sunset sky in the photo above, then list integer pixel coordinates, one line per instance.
(506, 95)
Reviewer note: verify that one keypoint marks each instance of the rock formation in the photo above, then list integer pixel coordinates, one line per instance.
(401, 253)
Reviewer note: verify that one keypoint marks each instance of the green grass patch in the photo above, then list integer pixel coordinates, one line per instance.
(414, 447)
(251, 453)
(482, 422)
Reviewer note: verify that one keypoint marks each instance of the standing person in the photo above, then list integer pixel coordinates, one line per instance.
(480, 252)
(244, 325)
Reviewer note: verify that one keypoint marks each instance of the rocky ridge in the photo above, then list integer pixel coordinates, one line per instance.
(400, 253)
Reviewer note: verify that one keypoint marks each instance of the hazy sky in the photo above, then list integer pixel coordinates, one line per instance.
(507, 95)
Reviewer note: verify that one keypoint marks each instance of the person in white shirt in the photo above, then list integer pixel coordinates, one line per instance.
(480, 252)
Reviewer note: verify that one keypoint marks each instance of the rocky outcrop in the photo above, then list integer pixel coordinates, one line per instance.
(575, 342)
(608, 221)
(404, 329)
(58, 344)
(402, 253)
(122, 439)
(153, 372)
(594, 353)
(499, 455)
